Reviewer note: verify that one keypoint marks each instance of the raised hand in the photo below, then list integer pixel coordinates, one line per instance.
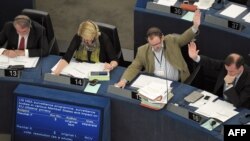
(197, 19)
(192, 50)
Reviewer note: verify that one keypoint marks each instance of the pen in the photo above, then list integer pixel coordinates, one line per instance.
(214, 99)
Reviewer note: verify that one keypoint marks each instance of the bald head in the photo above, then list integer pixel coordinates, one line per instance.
(22, 25)
(234, 58)
(234, 64)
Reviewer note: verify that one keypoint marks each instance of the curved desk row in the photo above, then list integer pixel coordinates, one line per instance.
(129, 121)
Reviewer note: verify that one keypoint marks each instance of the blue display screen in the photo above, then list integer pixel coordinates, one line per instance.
(44, 120)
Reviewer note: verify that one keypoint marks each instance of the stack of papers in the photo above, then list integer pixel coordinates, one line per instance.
(144, 80)
(219, 109)
(28, 62)
(155, 92)
(80, 70)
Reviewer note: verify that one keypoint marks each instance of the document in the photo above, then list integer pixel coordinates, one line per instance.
(153, 90)
(208, 97)
(204, 4)
(4, 62)
(247, 17)
(211, 124)
(92, 89)
(188, 16)
(233, 10)
(28, 62)
(80, 69)
(219, 109)
(144, 80)
(167, 2)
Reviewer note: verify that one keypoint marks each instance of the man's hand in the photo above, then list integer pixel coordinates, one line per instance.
(10, 53)
(197, 19)
(192, 51)
(108, 67)
(20, 52)
(229, 79)
(121, 84)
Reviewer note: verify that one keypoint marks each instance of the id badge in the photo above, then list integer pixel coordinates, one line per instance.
(160, 73)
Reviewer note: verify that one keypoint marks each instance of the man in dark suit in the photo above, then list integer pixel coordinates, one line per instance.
(233, 81)
(24, 38)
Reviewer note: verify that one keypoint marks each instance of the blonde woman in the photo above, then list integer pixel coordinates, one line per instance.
(89, 45)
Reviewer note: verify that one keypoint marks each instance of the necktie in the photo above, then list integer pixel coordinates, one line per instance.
(21, 45)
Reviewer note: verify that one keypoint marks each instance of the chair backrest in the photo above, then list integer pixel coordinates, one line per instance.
(112, 32)
(43, 18)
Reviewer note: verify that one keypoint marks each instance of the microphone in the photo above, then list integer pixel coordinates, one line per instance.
(166, 70)
(41, 51)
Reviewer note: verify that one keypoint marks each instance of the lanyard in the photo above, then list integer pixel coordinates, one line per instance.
(158, 59)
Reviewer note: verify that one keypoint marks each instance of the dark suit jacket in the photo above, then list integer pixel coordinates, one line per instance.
(107, 51)
(239, 95)
(37, 43)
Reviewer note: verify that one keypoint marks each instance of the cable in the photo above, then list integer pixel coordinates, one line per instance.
(164, 47)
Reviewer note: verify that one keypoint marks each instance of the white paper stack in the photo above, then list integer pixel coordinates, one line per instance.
(155, 92)
(219, 109)
(28, 62)
(80, 70)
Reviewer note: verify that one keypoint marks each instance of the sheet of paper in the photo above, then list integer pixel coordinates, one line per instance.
(219, 109)
(188, 16)
(164, 100)
(4, 59)
(80, 70)
(233, 11)
(247, 17)
(208, 125)
(167, 2)
(202, 101)
(28, 62)
(204, 4)
(92, 89)
(153, 90)
(143, 80)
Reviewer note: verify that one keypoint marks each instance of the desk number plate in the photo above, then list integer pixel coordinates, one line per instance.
(176, 10)
(11, 73)
(76, 81)
(194, 117)
(135, 95)
(234, 25)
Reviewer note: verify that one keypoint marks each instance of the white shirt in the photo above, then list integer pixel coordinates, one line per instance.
(163, 68)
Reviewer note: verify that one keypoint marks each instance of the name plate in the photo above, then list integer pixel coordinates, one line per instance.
(135, 95)
(12, 73)
(176, 10)
(234, 25)
(76, 81)
(194, 117)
